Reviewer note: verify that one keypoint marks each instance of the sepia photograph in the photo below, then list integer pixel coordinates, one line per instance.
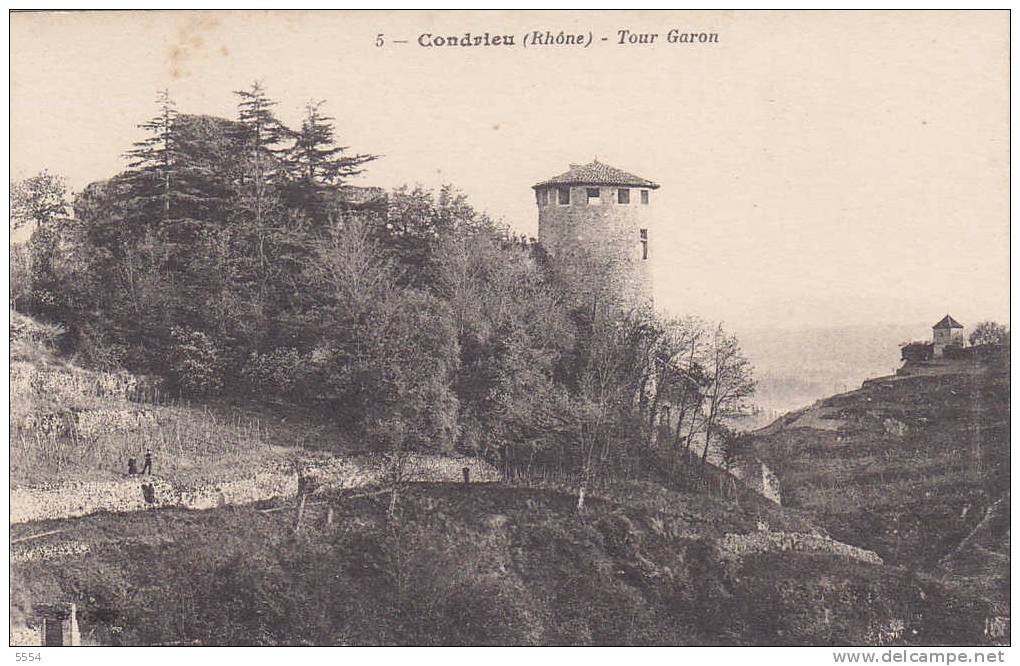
(510, 328)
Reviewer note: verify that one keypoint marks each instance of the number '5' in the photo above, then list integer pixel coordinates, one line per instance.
(379, 39)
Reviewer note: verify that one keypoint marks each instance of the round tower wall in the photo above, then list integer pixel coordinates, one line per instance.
(607, 231)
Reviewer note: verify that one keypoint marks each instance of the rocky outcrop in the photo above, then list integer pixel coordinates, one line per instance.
(757, 476)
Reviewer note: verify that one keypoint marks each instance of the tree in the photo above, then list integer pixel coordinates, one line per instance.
(387, 353)
(39, 200)
(513, 333)
(179, 171)
(257, 217)
(20, 273)
(419, 221)
(989, 333)
(681, 379)
(735, 446)
(260, 136)
(731, 383)
(155, 158)
(614, 363)
(315, 157)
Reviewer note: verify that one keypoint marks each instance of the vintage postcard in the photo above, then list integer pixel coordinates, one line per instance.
(511, 328)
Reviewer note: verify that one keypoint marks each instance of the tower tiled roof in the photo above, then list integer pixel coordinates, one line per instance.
(948, 322)
(597, 173)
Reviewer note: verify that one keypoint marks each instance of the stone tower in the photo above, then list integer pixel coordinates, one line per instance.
(946, 332)
(598, 219)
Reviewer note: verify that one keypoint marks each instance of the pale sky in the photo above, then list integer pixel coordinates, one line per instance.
(816, 167)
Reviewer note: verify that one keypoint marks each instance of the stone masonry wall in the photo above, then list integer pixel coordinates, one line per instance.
(124, 495)
(609, 231)
(765, 540)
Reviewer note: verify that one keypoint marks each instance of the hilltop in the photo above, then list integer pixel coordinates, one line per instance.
(914, 466)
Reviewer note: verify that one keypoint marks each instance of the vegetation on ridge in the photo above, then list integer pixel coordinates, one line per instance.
(228, 260)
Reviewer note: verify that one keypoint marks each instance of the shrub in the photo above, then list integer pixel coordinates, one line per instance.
(195, 362)
(94, 350)
(26, 329)
(916, 351)
(280, 370)
(954, 351)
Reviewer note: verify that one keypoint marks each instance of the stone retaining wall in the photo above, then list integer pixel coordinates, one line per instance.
(71, 382)
(764, 541)
(123, 495)
(49, 551)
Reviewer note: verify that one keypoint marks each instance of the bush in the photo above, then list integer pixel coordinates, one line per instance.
(954, 351)
(281, 370)
(93, 350)
(195, 362)
(917, 351)
(31, 331)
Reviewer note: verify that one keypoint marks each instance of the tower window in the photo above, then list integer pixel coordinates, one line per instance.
(644, 244)
(564, 196)
(593, 195)
(644, 196)
(623, 195)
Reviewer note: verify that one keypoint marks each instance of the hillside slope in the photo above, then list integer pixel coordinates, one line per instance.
(482, 565)
(914, 467)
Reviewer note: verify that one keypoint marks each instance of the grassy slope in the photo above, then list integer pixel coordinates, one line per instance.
(911, 496)
(190, 443)
(478, 565)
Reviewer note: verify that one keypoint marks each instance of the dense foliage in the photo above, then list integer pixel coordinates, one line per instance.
(230, 257)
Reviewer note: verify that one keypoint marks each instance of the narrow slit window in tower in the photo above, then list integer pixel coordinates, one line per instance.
(593, 195)
(623, 195)
(644, 197)
(564, 196)
(644, 244)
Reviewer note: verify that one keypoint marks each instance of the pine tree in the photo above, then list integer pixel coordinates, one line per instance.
(315, 161)
(259, 136)
(155, 158)
(315, 157)
(179, 172)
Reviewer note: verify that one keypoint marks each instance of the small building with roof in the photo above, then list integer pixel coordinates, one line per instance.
(600, 219)
(947, 332)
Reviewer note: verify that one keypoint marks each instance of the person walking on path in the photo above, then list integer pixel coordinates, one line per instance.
(147, 465)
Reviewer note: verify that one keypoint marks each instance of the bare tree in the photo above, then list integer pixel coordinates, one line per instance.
(731, 384)
(680, 377)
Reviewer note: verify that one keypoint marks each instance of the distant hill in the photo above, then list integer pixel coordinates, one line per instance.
(914, 467)
(795, 367)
